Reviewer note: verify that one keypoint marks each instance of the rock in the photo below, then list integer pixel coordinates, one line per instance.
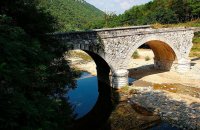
(195, 105)
(175, 118)
(169, 113)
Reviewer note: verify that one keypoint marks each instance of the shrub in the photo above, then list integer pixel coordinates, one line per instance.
(147, 58)
(135, 55)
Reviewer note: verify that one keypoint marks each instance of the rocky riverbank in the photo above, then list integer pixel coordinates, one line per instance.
(182, 111)
(145, 107)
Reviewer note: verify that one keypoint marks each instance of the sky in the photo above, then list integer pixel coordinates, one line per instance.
(116, 6)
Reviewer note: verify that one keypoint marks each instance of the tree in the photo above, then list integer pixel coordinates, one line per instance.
(162, 15)
(73, 15)
(195, 8)
(33, 74)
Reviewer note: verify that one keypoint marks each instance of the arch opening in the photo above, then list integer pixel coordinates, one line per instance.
(97, 65)
(154, 56)
(164, 56)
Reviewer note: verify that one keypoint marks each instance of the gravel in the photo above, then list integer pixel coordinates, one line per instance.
(175, 111)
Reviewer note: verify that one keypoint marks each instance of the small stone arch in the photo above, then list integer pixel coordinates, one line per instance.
(102, 66)
(98, 50)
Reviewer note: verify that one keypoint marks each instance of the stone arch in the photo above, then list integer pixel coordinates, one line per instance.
(102, 66)
(164, 52)
(91, 49)
(155, 38)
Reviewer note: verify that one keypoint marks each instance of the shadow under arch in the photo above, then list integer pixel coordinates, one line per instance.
(99, 115)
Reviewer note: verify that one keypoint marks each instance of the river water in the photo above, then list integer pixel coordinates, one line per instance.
(85, 96)
(93, 104)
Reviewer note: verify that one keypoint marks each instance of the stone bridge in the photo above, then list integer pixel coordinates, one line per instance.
(111, 49)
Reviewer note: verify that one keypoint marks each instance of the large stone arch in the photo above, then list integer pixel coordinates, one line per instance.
(164, 51)
(154, 38)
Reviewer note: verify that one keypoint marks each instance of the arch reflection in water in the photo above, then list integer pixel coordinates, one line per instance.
(92, 100)
(85, 96)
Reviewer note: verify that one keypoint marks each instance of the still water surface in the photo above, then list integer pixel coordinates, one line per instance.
(85, 96)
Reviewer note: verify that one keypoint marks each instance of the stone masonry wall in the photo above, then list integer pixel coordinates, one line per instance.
(117, 45)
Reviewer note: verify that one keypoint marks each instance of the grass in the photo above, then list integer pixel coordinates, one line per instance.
(80, 54)
(195, 23)
(125, 89)
(135, 55)
(195, 51)
(196, 38)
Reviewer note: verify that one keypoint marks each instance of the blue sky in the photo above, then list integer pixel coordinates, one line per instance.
(117, 6)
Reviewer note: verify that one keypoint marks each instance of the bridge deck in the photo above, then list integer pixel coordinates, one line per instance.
(145, 29)
(123, 28)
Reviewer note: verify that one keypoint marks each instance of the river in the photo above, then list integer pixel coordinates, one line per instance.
(93, 105)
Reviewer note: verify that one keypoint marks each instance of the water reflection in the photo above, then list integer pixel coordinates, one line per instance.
(84, 97)
(92, 100)
(131, 80)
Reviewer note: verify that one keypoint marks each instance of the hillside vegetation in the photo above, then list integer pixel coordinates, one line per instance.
(157, 11)
(73, 14)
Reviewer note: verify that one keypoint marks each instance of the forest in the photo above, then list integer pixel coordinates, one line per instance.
(156, 11)
(34, 77)
(75, 15)
(72, 15)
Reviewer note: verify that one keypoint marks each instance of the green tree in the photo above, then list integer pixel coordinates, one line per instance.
(34, 76)
(162, 15)
(195, 9)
